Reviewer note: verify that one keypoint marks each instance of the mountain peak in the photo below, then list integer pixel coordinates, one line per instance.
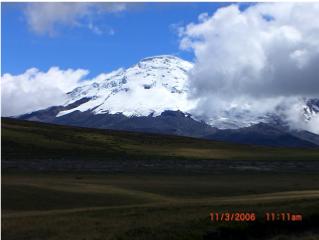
(157, 84)
(153, 85)
(161, 57)
(165, 61)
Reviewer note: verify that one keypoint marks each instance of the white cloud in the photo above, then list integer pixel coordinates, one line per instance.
(95, 29)
(255, 59)
(34, 90)
(45, 18)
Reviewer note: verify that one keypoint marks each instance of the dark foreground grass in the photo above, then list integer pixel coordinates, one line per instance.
(162, 222)
(164, 202)
(127, 206)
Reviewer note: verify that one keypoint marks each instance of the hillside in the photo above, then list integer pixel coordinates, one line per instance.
(155, 96)
(32, 140)
(121, 198)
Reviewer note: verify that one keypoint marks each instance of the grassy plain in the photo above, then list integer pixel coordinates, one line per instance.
(126, 206)
(152, 203)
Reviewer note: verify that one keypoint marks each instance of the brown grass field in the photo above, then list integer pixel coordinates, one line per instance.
(149, 186)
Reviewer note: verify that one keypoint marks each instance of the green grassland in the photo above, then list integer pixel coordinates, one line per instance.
(150, 204)
(29, 140)
(125, 206)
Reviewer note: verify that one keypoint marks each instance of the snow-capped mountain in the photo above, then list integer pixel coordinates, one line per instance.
(152, 86)
(157, 84)
(153, 96)
(311, 109)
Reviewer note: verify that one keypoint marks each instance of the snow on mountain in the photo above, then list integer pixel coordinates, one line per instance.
(152, 86)
(160, 83)
(234, 119)
(300, 115)
(311, 109)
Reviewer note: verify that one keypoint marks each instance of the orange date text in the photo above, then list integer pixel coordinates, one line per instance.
(232, 217)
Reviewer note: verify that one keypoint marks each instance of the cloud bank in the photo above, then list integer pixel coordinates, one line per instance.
(45, 18)
(34, 90)
(255, 59)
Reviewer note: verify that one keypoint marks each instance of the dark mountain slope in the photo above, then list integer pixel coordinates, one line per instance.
(176, 123)
(261, 134)
(27, 140)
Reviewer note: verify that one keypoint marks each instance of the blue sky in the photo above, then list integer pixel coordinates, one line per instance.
(236, 65)
(139, 31)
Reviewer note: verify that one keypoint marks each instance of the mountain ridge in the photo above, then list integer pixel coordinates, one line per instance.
(153, 96)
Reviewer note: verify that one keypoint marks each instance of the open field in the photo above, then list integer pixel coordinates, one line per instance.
(74, 183)
(126, 206)
(37, 141)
